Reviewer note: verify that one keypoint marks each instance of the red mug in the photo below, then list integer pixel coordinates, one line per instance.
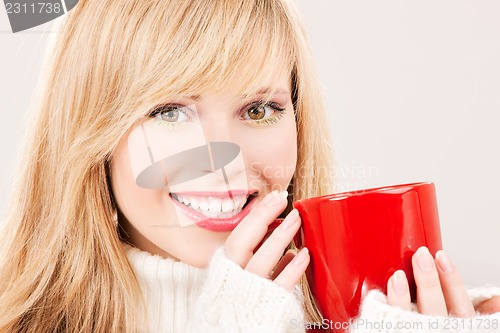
(358, 239)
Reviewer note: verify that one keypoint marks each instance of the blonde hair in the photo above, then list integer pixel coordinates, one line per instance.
(63, 268)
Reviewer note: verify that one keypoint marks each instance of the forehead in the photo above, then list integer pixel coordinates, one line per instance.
(202, 58)
(277, 83)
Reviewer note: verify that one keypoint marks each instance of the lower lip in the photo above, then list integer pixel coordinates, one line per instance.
(214, 224)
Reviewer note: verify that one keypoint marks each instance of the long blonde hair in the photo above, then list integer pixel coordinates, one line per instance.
(63, 267)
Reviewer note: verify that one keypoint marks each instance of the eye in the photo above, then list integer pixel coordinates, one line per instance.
(172, 113)
(259, 111)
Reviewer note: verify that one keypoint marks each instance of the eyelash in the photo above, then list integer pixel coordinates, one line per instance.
(171, 107)
(273, 119)
(278, 113)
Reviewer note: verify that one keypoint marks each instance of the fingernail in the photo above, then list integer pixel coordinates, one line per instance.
(301, 257)
(269, 197)
(399, 282)
(284, 194)
(290, 219)
(444, 262)
(424, 259)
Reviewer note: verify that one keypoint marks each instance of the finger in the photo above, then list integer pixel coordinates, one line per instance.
(292, 273)
(455, 293)
(285, 260)
(398, 292)
(246, 236)
(268, 255)
(489, 306)
(430, 298)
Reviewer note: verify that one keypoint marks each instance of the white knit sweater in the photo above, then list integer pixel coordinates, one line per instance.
(225, 298)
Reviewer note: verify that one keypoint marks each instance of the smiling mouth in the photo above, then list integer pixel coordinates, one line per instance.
(215, 205)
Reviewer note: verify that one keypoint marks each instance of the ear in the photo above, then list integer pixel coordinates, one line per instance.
(489, 306)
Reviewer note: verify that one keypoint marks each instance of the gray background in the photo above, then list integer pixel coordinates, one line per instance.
(413, 94)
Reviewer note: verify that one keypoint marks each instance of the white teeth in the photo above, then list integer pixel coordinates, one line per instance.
(227, 205)
(195, 202)
(213, 207)
(203, 204)
(242, 201)
(225, 215)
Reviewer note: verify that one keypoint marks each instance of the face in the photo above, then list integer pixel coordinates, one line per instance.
(187, 175)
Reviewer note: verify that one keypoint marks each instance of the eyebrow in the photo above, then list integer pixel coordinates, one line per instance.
(262, 91)
(195, 98)
(265, 91)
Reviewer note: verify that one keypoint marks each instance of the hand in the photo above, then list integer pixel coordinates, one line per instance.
(440, 290)
(249, 233)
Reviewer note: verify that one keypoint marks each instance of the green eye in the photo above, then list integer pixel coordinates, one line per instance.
(172, 116)
(171, 113)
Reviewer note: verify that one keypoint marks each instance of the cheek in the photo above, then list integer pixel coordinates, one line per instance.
(272, 153)
(131, 198)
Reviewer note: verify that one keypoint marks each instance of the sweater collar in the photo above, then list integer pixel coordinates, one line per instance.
(154, 269)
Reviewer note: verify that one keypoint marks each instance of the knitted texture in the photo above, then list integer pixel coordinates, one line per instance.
(377, 316)
(227, 299)
(234, 300)
(221, 298)
(169, 288)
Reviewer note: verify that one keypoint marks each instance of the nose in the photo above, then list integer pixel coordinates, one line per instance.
(221, 139)
(216, 155)
(190, 164)
(217, 128)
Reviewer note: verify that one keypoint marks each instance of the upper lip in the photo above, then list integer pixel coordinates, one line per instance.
(220, 195)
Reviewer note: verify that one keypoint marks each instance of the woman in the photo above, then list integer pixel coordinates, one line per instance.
(111, 227)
